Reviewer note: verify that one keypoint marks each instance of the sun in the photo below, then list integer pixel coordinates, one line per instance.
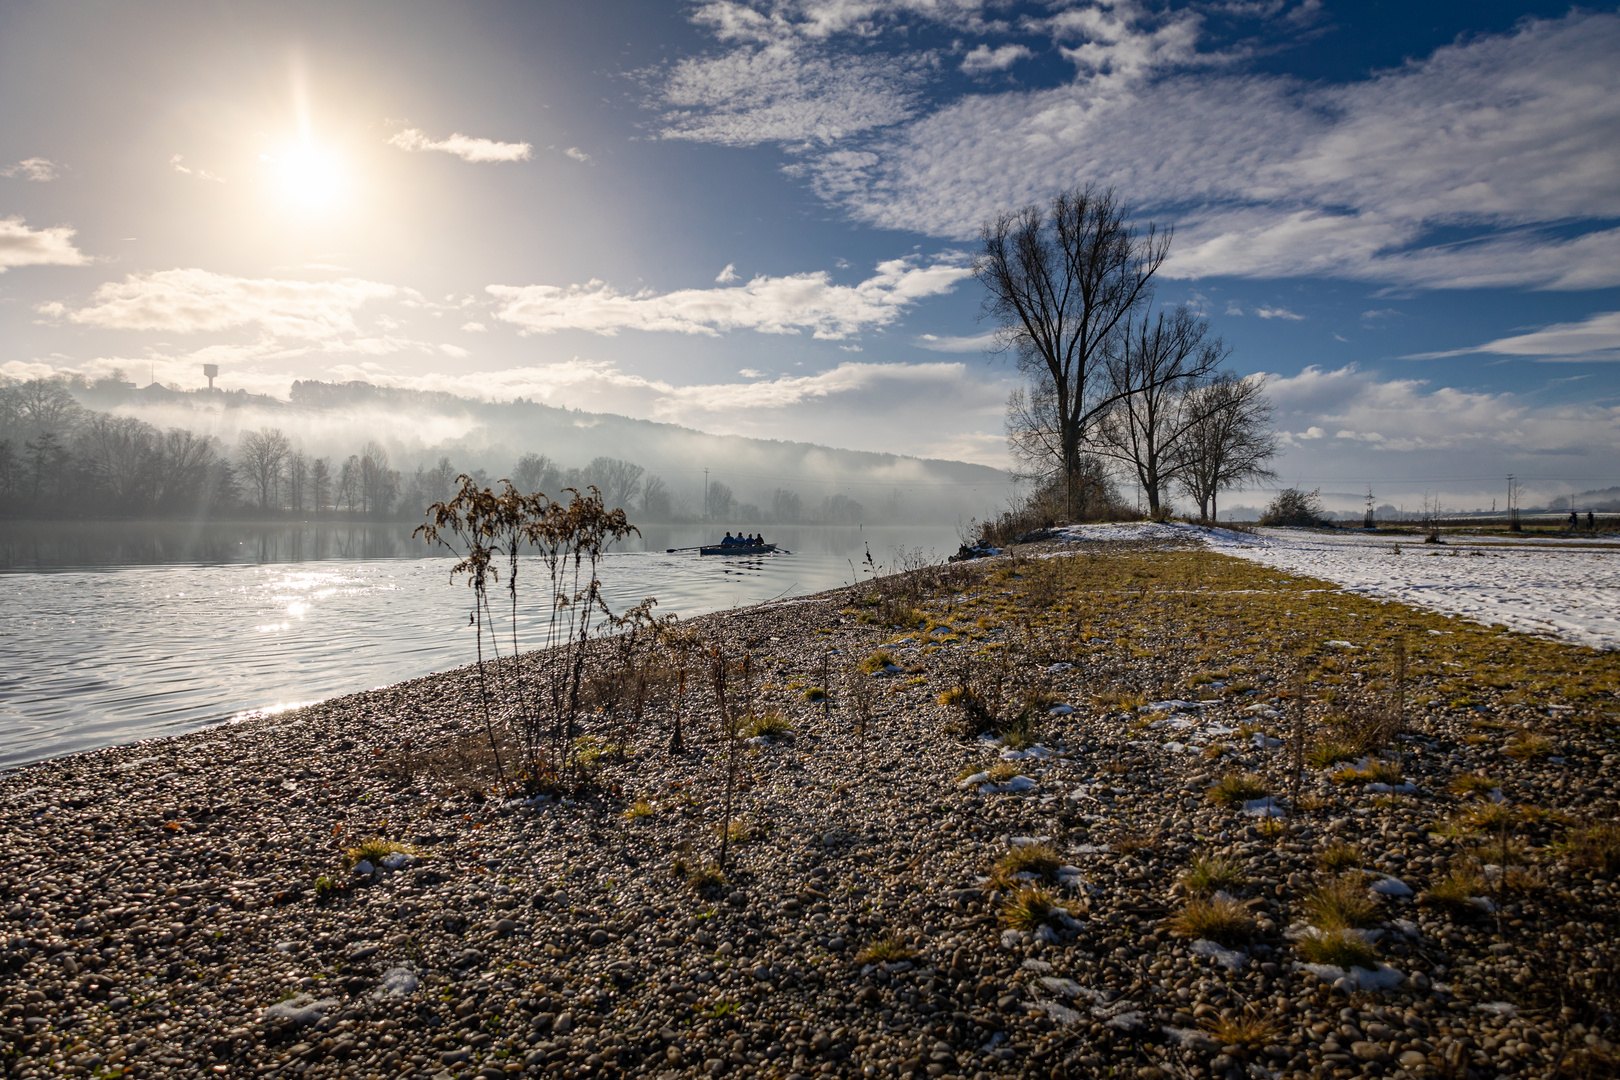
(311, 179)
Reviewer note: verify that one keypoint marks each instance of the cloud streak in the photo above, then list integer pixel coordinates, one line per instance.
(39, 170)
(767, 305)
(193, 301)
(1597, 337)
(467, 148)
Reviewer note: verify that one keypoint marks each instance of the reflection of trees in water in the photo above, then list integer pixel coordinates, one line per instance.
(38, 545)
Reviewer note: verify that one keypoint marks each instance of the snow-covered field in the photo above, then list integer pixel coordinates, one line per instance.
(1551, 587)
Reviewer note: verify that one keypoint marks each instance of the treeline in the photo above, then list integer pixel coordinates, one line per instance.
(60, 459)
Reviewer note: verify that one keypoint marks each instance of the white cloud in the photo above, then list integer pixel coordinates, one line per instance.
(1232, 308)
(1506, 137)
(177, 164)
(983, 59)
(473, 327)
(38, 169)
(578, 155)
(728, 275)
(465, 147)
(779, 305)
(947, 344)
(50, 246)
(1596, 337)
(190, 301)
(1277, 313)
(455, 351)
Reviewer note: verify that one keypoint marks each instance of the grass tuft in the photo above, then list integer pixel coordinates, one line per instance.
(877, 662)
(642, 809)
(1248, 1030)
(1042, 860)
(1377, 771)
(769, 725)
(1596, 847)
(373, 851)
(1336, 858)
(1342, 904)
(1235, 789)
(1215, 918)
(888, 949)
(1211, 873)
(1455, 893)
(1325, 755)
(1029, 908)
(1341, 948)
(1473, 784)
(1528, 746)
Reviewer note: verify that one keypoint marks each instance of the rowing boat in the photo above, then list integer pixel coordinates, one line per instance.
(737, 549)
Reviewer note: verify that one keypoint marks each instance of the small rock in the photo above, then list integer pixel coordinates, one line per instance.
(563, 1024)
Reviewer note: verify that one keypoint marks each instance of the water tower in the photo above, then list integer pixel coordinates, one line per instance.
(211, 370)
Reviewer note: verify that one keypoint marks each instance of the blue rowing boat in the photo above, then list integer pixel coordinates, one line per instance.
(737, 549)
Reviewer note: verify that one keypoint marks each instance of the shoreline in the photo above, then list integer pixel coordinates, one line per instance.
(164, 914)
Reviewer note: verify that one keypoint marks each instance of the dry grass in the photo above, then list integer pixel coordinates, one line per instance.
(1249, 1030)
(374, 851)
(1029, 908)
(1325, 755)
(642, 809)
(1528, 746)
(1211, 873)
(1466, 784)
(1376, 771)
(1342, 904)
(1217, 919)
(1341, 948)
(1595, 847)
(770, 725)
(1336, 858)
(1042, 860)
(888, 949)
(1235, 789)
(1455, 892)
(878, 661)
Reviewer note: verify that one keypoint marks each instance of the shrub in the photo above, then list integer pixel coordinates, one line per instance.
(1341, 948)
(1235, 790)
(1294, 507)
(1210, 873)
(1217, 919)
(1342, 904)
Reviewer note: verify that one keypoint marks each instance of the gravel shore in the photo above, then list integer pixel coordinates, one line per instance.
(929, 891)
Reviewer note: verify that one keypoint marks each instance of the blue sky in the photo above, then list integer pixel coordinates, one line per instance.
(755, 217)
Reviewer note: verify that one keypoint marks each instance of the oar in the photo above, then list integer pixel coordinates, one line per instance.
(671, 551)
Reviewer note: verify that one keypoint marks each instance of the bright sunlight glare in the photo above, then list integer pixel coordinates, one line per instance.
(310, 179)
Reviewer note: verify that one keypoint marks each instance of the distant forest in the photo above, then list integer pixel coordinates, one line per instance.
(60, 459)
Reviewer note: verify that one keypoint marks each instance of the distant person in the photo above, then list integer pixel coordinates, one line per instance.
(1574, 521)
(1591, 522)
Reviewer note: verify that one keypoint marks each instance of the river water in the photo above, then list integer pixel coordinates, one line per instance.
(111, 633)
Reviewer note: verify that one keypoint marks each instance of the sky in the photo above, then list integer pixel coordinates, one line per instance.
(757, 216)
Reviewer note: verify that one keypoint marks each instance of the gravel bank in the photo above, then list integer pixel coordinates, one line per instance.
(183, 907)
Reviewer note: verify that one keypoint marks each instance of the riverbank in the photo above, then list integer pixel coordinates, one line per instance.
(1127, 878)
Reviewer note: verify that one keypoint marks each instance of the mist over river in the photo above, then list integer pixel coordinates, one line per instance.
(115, 632)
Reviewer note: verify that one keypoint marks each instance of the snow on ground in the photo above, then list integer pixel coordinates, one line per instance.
(1548, 587)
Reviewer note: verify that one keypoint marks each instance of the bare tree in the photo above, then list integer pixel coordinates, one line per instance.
(349, 482)
(1061, 285)
(786, 506)
(121, 453)
(379, 484)
(320, 484)
(656, 501)
(263, 453)
(1229, 442)
(616, 480)
(1150, 369)
(535, 472)
(297, 480)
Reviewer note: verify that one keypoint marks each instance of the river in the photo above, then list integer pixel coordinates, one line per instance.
(116, 632)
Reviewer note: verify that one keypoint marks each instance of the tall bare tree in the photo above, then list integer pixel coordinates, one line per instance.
(1229, 442)
(1151, 368)
(263, 453)
(1061, 284)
